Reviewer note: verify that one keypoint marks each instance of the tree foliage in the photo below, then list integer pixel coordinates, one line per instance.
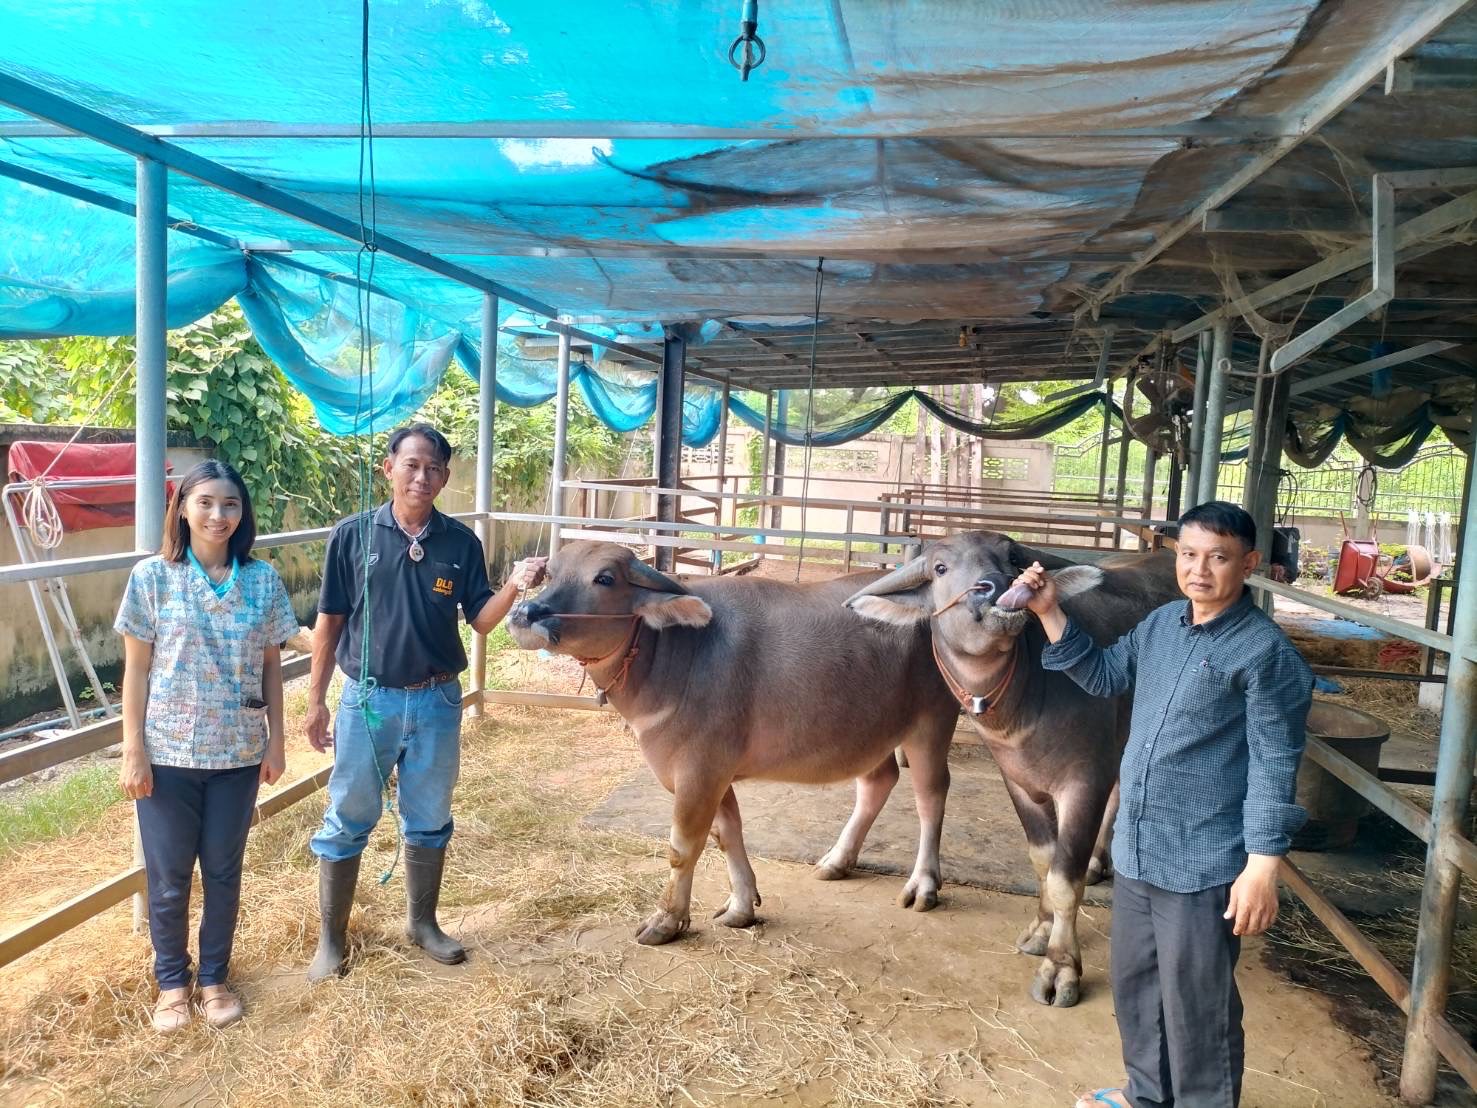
(225, 392)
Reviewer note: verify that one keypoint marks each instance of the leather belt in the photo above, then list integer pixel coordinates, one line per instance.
(430, 682)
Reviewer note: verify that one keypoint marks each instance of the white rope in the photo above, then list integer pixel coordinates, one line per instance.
(38, 511)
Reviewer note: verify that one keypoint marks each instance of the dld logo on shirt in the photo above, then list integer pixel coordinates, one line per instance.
(443, 587)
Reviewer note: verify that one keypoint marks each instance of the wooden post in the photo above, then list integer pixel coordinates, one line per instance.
(1431, 977)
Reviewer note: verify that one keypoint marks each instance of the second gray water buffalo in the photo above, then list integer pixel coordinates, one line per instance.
(1058, 749)
(724, 679)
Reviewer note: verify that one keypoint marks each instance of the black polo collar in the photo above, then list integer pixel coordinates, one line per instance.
(385, 517)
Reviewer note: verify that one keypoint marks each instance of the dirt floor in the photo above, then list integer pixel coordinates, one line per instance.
(838, 997)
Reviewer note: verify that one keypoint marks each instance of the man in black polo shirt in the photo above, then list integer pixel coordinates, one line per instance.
(397, 642)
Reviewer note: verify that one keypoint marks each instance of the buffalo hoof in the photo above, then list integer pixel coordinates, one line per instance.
(1056, 985)
(1097, 870)
(833, 867)
(1033, 939)
(661, 928)
(736, 913)
(919, 895)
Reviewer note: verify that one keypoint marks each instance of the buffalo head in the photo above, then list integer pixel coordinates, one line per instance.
(601, 579)
(959, 579)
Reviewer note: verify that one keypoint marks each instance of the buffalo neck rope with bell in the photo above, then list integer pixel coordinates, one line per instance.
(631, 645)
(971, 703)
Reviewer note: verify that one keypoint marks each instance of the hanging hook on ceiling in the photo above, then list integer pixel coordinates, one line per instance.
(747, 52)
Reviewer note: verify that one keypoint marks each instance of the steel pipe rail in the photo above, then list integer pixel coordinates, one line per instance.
(98, 899)
(104, 563)
(1408, 631)
(818, 502)
(42, 754)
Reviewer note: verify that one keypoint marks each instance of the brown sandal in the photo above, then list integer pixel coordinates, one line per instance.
(221, 1007)
(171, 1010)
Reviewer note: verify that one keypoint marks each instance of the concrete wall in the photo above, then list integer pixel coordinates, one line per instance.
(27, 679)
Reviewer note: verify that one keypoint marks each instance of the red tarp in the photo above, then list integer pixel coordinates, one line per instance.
(82, 507)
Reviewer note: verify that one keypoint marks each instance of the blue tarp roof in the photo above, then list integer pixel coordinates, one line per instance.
(956, 162)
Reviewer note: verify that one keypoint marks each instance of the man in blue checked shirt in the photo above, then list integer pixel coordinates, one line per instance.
(1207, 780)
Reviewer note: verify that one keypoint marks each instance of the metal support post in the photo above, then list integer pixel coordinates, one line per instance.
(1263, 461)
(1197, 418)
(669, 435)
(486, 528)
(764, 453)
(561, 441)
(1215, 412)
(722, 469)
(152, 261)
(150, 337)
(1125, 441)
(1150, 462)
(1431, 976)
(1102, 378)
(777, 513)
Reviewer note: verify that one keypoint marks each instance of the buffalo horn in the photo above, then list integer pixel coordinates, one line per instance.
(643, 576)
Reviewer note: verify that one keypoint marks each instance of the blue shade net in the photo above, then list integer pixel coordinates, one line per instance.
(67, 268)
(558, 218)
(309, 313)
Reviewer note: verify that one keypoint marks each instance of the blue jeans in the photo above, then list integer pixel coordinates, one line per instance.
(195, 814)
(418, 731)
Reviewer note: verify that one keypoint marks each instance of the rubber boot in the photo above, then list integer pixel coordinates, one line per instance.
(423, 866)
(336, 881)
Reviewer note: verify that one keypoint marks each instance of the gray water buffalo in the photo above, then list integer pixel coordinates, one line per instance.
(724, 679)
(1057, 748)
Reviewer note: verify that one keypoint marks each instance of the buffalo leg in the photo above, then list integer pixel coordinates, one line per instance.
(928, 763)
(692, 816)
(1059, 977)
(872, 791)
(1100, 866)
(743, 898)
(1039, 823)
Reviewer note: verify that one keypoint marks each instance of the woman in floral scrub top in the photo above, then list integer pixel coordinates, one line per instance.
(202, 626)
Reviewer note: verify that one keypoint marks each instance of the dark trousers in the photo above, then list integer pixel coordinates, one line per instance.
(1174, 989)
(204, 815)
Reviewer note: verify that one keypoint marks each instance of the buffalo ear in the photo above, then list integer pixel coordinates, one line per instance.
(663, 609)
(1075, 580)
(902, 609)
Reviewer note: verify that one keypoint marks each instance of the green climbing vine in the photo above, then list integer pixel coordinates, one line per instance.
(225, 392)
